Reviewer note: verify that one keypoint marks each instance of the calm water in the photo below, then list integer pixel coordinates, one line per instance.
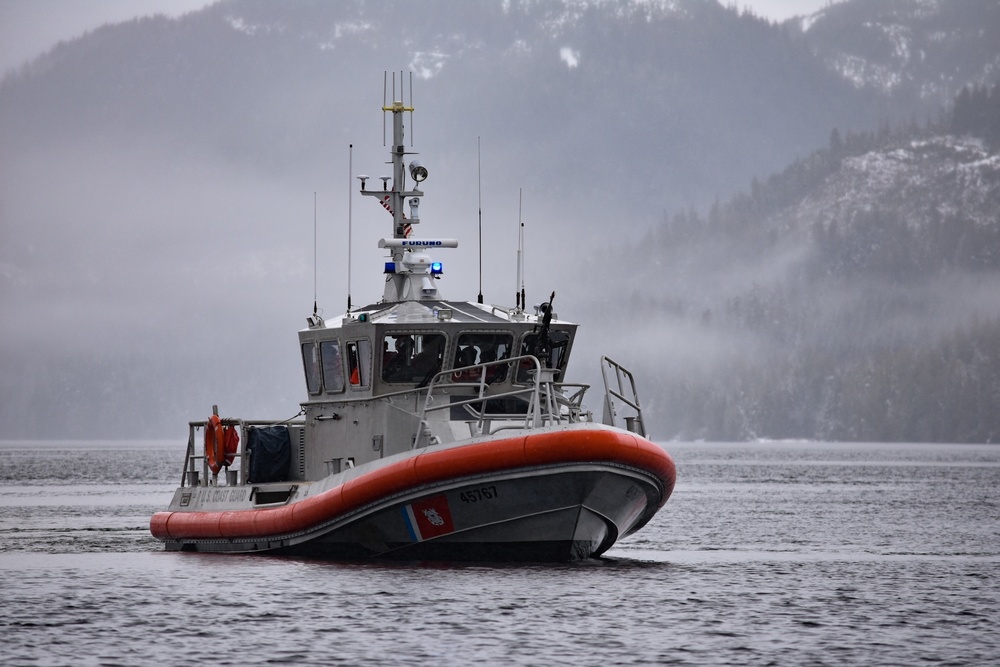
(788, 553)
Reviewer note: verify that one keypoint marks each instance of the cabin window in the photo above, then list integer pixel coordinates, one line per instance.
(409, 358)
(310, 360)
(555, 358)
(359, 360)
(333, 366)
(482, 348)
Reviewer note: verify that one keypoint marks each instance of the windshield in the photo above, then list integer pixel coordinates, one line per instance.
(482, 348)
(411, 358)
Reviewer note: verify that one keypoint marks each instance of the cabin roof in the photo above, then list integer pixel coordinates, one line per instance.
(436, 314)
(432, 312)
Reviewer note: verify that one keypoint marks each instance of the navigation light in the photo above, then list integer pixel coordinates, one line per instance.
(418, 171)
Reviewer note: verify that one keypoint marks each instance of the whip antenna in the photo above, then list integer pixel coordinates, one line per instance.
(315, 309)
(524, 302)
(479, 143)
(519, 294)
(350, 195)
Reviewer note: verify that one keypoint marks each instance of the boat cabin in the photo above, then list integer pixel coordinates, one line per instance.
(382, 370)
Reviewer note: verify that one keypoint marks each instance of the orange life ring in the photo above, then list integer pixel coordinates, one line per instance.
(215, 444)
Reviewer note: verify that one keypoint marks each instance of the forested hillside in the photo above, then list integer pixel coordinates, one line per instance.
(854, 296)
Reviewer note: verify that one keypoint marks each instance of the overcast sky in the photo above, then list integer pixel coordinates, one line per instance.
(28, 28)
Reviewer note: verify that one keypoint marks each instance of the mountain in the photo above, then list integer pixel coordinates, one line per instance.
(853, 296)
(917, 52)
(679, 91)
(160, 179)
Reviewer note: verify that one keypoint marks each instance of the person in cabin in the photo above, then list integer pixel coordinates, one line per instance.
(465, 356)
(396, 362)
(430, 356)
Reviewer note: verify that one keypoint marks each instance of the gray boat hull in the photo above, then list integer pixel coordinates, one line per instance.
(555, 513)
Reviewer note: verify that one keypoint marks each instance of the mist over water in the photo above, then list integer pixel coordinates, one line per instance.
(798, 553)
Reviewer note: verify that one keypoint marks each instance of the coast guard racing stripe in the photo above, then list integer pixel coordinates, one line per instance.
(428, 518)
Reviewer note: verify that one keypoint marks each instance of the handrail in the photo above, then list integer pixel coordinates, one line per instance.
(545, 397)
(190, 457)
(548, 402)
(506, 311)
(633, 423)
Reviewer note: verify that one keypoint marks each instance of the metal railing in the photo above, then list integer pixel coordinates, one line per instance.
(195, 474)
(623, 389)
(547, 401)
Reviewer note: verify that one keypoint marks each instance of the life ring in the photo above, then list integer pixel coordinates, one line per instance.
(215, 444)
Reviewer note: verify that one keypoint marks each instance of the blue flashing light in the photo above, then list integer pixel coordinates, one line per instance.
(436, 268)
(390, 267)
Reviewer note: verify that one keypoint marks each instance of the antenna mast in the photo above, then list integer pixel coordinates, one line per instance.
(410, 273)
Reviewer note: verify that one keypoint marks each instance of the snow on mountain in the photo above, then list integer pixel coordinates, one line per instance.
(923, 180)
(925, 48)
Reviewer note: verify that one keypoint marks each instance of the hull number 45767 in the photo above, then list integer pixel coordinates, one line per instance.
(479, 495)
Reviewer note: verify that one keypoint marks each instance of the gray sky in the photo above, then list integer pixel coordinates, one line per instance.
(28, 28)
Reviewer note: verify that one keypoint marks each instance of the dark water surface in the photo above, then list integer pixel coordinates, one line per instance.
(768, 553)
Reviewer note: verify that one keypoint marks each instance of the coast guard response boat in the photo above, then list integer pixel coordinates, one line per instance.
(432, 429)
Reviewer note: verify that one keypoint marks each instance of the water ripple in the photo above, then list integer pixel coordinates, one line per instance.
(767, 554)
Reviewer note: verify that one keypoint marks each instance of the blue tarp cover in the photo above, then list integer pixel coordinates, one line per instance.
(270, 454)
